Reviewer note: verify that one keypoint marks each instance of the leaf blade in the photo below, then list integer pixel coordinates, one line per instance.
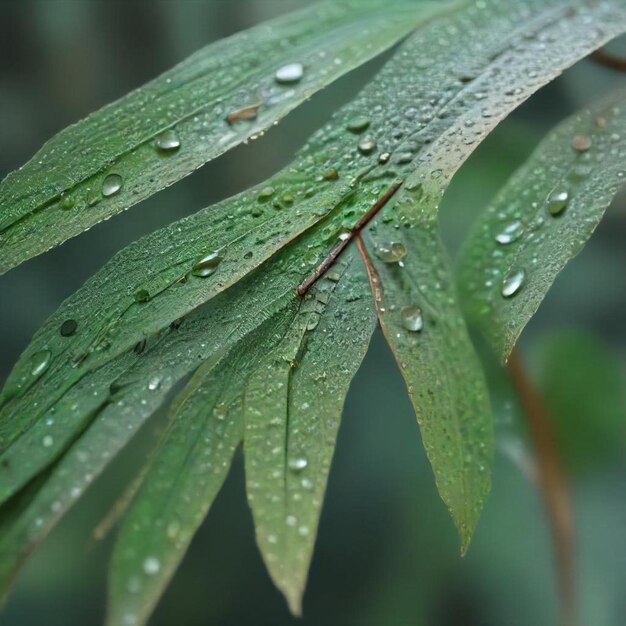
(163, 131)
(541, 219)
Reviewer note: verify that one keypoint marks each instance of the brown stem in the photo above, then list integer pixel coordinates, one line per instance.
(552, 485)
(609, 60)
(333, 255)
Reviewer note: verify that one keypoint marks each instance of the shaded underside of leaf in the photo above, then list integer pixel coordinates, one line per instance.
(541, 219)
(293, 405)
(417, 306)
(222, 95)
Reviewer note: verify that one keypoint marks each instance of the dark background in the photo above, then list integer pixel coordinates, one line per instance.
(387, 554)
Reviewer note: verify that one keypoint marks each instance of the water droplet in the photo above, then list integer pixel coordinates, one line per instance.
(67, 202)
(290, 73)
(557, 201)
(154, 383)
(68, 328)
(331, 174)
(151, 566)
(581, 143)
(140, 346)
(220, 411)
(510, 233)
(367, 146)
(392, 253)
(207, 265)
(359, 125)
(143, 295)
(112, 185)
(412, 318)
(297, 464)
(249, 112)
(167, 141)
(40, 362)
(513, 282)
(384, 158)
(265, 194)
(173, 530)
(47, 441)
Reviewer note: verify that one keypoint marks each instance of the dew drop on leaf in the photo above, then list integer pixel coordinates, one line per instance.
(40, 362)
(206, 265)
(412, 318)
(513, 282)
(167, 141)
(290, 73)
(68, 328)
(367, 146)
(151, 566)
(143, 295)
(510, 233)
(393, 253)
(557, 202)
(581, 143)
(297, 464)
(112, 185)
(359, 125)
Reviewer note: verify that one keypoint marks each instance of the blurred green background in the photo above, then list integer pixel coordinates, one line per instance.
(387, 554)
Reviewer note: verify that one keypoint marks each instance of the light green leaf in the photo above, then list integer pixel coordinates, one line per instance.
(417, 306)
(292, 408)
(541, 219)
(224, 94)
(185, 475)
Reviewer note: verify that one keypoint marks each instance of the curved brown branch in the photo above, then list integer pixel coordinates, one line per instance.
(333, 255)
(553, 487)
(612, 61)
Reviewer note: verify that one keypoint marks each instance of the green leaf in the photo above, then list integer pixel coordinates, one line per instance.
(426, 115)
(582, 383)
(541, 219)
(102, 409)
(417, 306)
(224, 94)
(293, 405)
(185, 475)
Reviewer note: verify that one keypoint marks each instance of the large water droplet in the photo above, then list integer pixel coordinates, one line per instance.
(290, 73)
(68, 328)
(367, 146)
(167, 141)
(557, 202)
(393, 253)
(412, 318)
(359, 125)
(581, 143)
(40, 362)
(151, 566)
(510, 233)
(513, 282)
(206, 265)
(297, 464)
(112, 185)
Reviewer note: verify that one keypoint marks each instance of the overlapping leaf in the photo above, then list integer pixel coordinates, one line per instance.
(541, 219)
(212, 101)
(416, 301)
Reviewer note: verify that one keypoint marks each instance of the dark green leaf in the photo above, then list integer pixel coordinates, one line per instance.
(224, 94)
(541, 219)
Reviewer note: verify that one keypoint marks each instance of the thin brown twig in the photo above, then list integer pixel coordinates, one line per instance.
(553, 487)
(333, 255)
(612, 61)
